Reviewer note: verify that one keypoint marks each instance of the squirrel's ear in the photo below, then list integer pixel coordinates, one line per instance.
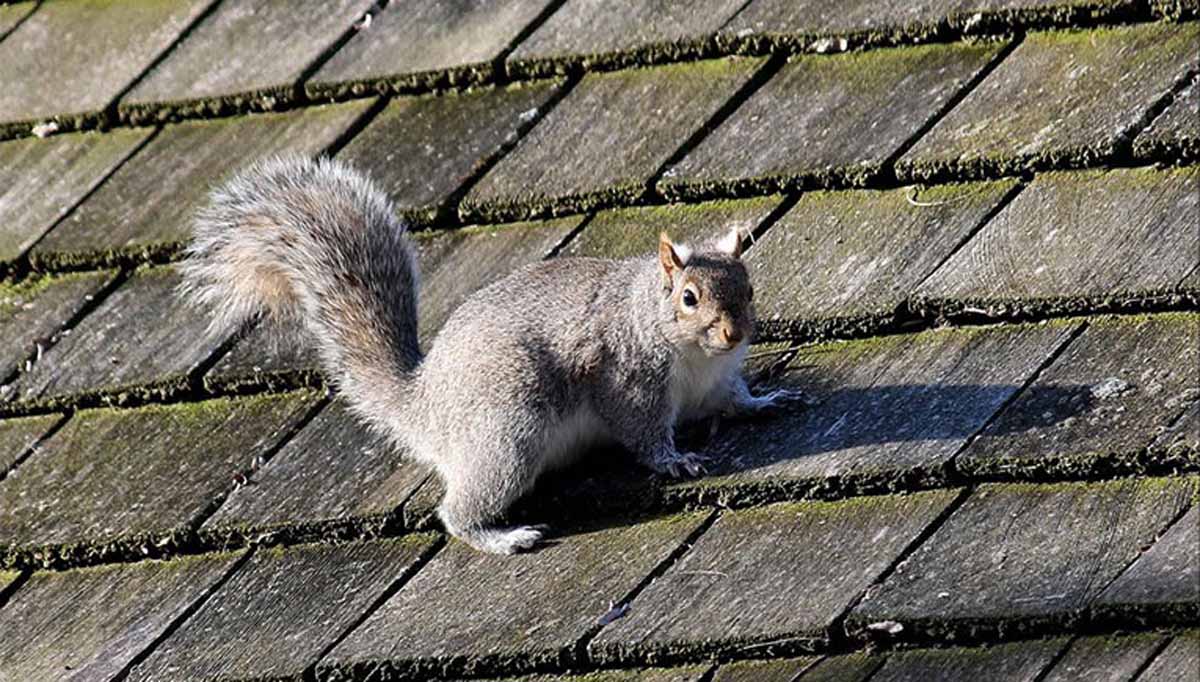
(668, 257)
(731, 243)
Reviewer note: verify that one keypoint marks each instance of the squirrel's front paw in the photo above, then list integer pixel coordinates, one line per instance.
(681, 464)
(778, 400)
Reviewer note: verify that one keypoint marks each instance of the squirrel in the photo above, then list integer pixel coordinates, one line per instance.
(524, 374)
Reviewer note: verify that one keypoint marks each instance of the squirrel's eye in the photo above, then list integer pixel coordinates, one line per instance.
(689, 298)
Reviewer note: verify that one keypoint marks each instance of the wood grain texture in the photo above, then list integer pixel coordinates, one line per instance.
(1018, 556)
(1104, 658)
(333, 470)
(87, 624)
(782, 572)
(172, 176)
(142, 337)
(1080, 235)
(280, 610)
(520, 611)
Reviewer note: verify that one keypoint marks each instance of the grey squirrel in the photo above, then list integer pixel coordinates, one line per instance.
(525, 374)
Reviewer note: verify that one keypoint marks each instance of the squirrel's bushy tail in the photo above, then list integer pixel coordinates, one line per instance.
(316, 241)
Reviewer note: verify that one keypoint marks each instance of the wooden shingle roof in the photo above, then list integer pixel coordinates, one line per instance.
(976, 246)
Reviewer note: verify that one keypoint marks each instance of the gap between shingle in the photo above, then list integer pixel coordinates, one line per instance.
(89, 305)
(987, 218)
(34, 447)
(451, 209)
(888, 168)
(193, 526)
(500, 63)
(187, 613)
(952, 472)
(739, 97)
(1123, 153)
(1161, 647)
(310, 673)
(1090, 616)
(298, 91)
(110, 110)
(22, 265)
(580, 651)
(839, 639)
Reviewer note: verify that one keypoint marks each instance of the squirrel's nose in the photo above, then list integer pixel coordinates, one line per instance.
(732, 334)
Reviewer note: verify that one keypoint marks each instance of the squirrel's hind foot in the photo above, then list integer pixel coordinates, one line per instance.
(681, 464)
(503, 540)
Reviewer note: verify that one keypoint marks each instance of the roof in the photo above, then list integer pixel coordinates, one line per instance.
(974, 246)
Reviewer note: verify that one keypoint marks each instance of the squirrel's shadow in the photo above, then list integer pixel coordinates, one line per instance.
(837, 422)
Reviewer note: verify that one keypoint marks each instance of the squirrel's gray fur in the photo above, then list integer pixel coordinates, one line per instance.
(522, 376)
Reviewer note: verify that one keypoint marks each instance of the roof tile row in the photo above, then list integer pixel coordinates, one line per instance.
(824, 267)
(888, 414)
(113, 484)
(1043, 559)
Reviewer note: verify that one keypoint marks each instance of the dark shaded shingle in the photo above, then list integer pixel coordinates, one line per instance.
(1060, 99)
(146, 207)
(120, 483)
(91, 50)
(249, 53)
(1133, 377)
(784, 572)
(889, 413)
(40, 180)
(809, 123)
(281, 609)
(89, 623)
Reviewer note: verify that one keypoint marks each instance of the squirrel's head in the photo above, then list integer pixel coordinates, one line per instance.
(709, 293)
